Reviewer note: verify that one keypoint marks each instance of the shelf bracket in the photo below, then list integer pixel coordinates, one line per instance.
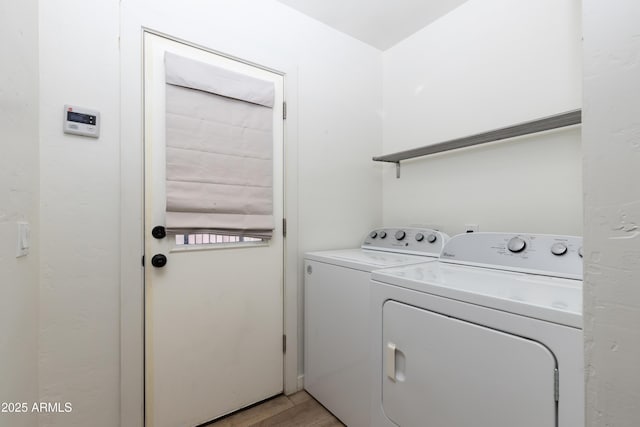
(397, 169)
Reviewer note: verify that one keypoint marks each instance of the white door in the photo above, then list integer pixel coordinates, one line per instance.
(440, 371)
(214, 312)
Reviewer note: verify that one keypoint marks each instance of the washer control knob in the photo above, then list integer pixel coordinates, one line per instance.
(383, 234)
(559, 249)
(431, 238)
(373, 234)
(580, 252)
(419, 237)
(400, 235)
(516, 244)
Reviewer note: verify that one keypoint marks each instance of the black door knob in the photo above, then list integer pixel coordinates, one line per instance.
(159, 260)
(159, 232)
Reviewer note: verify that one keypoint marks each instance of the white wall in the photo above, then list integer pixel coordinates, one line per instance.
(80, 199)
(336, 128)
(485, 65)
(611, 141)
(18, 202)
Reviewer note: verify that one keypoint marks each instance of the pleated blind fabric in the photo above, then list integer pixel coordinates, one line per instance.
(219, 154)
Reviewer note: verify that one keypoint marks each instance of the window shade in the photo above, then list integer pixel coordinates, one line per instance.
(219, 154)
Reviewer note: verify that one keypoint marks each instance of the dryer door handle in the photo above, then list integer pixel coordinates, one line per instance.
(390, 362)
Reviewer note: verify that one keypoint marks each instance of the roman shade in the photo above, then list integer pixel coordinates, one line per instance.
(219, 150)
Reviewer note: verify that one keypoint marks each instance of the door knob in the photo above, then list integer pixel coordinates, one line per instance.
(159, 232)
(159, 260)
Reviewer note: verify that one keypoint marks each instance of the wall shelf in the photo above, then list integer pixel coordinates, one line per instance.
(568, 118)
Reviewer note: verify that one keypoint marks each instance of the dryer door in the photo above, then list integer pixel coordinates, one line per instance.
(441, 371)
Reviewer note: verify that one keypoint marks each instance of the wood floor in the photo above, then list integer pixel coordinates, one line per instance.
(297, 410)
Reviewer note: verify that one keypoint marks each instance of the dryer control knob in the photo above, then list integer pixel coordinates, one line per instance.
(516, 244)
(383, 234)
(431, 238)
(419, 237)
(400, 235)
(559, 249)
(373, 234)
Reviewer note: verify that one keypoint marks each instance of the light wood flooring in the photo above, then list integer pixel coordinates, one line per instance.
(297, 410)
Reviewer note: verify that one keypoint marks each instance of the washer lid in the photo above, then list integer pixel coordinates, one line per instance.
(365, 260)
(553, 299)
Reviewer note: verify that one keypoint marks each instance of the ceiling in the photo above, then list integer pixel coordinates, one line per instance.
(380, 23)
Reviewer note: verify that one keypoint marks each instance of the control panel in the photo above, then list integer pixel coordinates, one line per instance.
(81, 121)
(551, 255)
(409, 240)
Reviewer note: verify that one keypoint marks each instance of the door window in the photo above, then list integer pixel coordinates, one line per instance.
(200, 239)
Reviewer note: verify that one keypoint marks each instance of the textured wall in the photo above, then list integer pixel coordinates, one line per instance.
(18, 202)
(485, 65)
(80, 199)
(611, 141)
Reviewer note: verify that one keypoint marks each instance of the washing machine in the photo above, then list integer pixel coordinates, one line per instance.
(337, 321)
(488, 336)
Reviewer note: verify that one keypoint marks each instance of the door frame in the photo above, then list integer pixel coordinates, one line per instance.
(132, 298)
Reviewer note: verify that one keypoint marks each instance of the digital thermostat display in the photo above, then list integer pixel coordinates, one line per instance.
(81, 121)
(87, 119)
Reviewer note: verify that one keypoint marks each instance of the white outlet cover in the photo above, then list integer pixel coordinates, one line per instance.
(471, 228)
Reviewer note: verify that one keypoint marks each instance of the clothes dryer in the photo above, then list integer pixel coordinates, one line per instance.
(337, 321)
(490, 335)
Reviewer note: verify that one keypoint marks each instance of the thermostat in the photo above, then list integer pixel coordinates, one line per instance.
(81, 121)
